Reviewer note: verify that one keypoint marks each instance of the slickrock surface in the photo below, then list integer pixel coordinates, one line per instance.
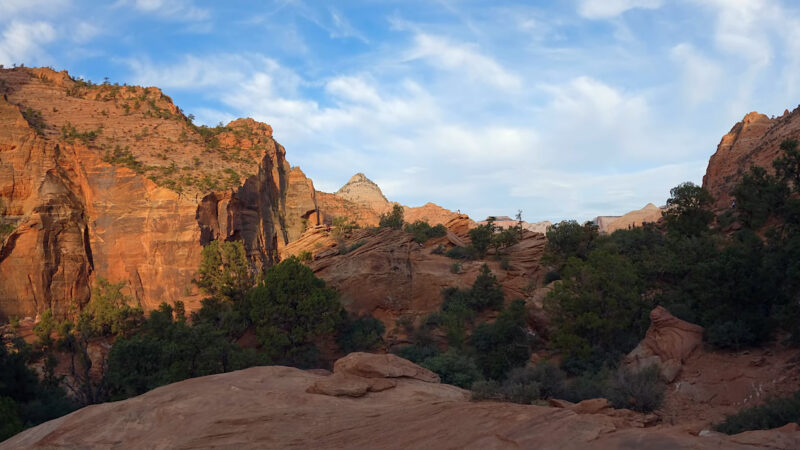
(269, 407)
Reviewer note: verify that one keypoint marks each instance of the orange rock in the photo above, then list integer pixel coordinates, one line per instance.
(370, 365)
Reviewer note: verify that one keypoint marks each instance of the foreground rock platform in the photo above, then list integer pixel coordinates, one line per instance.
(268, 407)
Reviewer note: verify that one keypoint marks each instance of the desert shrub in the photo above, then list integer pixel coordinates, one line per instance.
(422, 231)
(551, 276)
(345, 249)
(485, 293)
(504, 344)
(455, 268)
(454, 367)
(587, 385)
(641, 391)
(688, 211)
(481, 237)
(167, 350)
(392, 219)
(568, 239)
(305, 256)
(523, 385)
(775, 412)
(360, 334)
(462, 253)
(416, 352)
(290, 309)
(758, 196)
(505, 263)
(34, 119)
(110, 312)
(342, 227)
(224, 270)
(598, 310)
(439, 250)
(25, 401)
(69, 133)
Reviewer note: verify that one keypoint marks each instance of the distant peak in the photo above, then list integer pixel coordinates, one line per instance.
(361, 189)
(359, 177)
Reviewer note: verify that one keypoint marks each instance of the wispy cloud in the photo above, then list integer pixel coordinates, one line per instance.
(606, 9)
(23, 42)
(182, 10)
(464, 58)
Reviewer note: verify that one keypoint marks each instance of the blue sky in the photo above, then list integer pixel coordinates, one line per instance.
(563, 109)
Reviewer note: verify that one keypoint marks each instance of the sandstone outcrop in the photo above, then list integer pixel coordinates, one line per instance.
(609, 224)
(389, 276)
(115, 182)
(268, 407)
(508, 222)
(371, 365)
(753, 141)
(668, 343)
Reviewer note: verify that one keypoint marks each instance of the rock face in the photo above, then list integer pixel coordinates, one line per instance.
(389, 276)
(114, 182)
(610, 224)
(269, 407)
(668, 343)
(364, 192)
(753, 141)
(508, 222)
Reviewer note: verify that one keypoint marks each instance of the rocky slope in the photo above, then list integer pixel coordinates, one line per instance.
(370, 401)
(388, 275)
(753, 141)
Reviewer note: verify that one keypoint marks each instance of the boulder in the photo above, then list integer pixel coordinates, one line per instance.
(667, 344)
(591, 406)
(369, 365)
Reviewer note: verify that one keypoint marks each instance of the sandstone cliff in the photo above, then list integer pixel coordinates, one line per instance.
(610, 224)
(753, 141)
(115, 182)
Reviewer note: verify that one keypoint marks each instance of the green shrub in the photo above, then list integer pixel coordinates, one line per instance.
(305, 256)
(416, 353)
(393, 219)
(34, 119)
(422, 231)
(505, 263)
(454, 368)
(598, 310)
(462, 253)
(455, 268)
(224, 270)
(504, 344)
(687, 210)
(360, 334)
(523, 385)
(439, 250)
(641, 391)
(481, 237)
(775, 412)
(290, 309)
(568, 239)
(551, 276)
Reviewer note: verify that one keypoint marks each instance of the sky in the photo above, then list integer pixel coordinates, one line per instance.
(561, 109)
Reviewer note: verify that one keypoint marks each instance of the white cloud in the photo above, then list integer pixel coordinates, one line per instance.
(462, 58)
(11, 9)
(341, 27)
(183, 10)
(701, 76)
(22, 42)
(607, 9)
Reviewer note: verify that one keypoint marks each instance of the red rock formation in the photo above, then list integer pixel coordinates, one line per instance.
(269, 407)
(753, 141)
(610, 224)
(668, 343)
(114, 182)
